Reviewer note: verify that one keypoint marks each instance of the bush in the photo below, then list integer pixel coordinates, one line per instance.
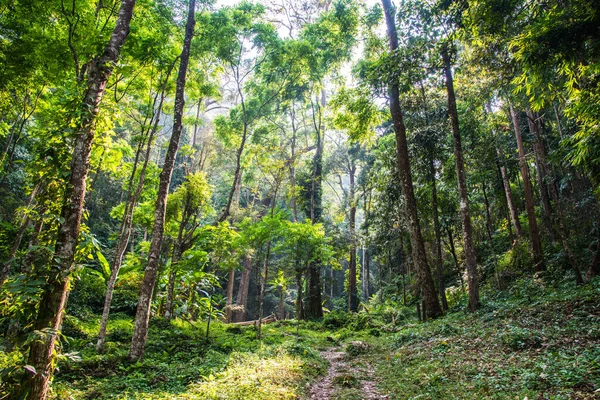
(520, 338)
(73, 328)
(357, 348)
(336, 319)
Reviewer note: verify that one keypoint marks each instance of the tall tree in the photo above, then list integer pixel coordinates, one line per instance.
(142, 317)
(538, 255)
(428, 292)
(53, 302)
(470, 257)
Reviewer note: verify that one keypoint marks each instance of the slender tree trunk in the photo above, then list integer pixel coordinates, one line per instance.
(548, 180)
(538, 256)
(25, 221)
(127, 223)
(558, 125)
(418, 247)
(489, 228)
(280, 308)
(293, 166)
(542, 172)
(177, 251)
(438, 237)
(229, 302)
(242, 294)
(263, 286)
(594, 269)
(352, 289)
(455, 257)
(514, 215)
(469, 248)
(299, 302)
(140, 332)
(314, 307)
(54, 298)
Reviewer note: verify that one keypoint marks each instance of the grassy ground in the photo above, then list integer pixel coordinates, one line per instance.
(180, 364)
(534, 341)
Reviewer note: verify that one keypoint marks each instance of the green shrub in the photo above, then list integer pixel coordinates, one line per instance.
(73, 328)
(357, 348)
(336, 319)
(520, 338)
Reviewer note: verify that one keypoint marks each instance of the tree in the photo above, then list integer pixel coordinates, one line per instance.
(142, 317)
(462, 186)
(430, 300)
(50, 313)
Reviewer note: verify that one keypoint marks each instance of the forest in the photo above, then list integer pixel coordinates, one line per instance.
(299, 199)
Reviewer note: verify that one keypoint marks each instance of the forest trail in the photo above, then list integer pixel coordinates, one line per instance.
(342, 375)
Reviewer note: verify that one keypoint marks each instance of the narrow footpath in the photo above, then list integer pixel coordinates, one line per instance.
(344, 377)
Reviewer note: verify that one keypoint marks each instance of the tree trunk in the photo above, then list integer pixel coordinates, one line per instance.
(418, 247)
(548, 180)
(127, 223)
(140, 332)
(25, 221)
(314, 307)
(299, 303)
(455, 257)
(352, 289)
(542, 171)
(512, 208)
(538, 256)
(438, 237)
(263, 286)
(229, 302)
(594, 269)
(280, 305)
(469, 248)
(367, 274)
(54, 298)
(242, 295)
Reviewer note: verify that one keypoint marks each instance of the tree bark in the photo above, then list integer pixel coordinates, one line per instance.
(140, 332)
(512, 208)
(314, 307)
(229, 302)
(299, 302)
(548, 180)
(418, 247)
(541, 167)
(25, 221)
(438, 237)
(242, 294)
(538, 256)
(54, 298)
(127, 223)
(469, 248)
(455, 257)
(352, 289)
(594, 269)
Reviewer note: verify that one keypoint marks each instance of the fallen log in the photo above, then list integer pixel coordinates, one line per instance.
(266, 320)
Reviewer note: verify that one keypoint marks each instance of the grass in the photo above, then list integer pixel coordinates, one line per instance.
(180, 363)
(537, 343)
(534, 340)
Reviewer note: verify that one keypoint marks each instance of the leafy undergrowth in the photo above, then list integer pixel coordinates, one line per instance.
(534, 341)
(180, 364)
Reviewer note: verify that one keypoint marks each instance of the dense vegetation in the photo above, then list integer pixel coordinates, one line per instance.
(410, 191)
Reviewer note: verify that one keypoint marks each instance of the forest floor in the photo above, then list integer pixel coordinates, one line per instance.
(534, 341)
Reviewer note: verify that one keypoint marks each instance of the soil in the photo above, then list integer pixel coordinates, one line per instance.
(326, 387)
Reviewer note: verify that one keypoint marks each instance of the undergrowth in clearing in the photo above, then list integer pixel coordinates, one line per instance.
(534, 340)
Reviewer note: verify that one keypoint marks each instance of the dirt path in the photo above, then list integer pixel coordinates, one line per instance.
(339, 370)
